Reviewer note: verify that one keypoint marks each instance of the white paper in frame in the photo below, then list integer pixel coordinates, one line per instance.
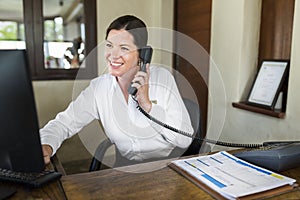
(268, 82)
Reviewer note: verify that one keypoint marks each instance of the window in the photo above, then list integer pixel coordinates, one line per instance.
(12, 35)
(54, 34)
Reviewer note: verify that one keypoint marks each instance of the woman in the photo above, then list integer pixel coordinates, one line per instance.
(107, 99)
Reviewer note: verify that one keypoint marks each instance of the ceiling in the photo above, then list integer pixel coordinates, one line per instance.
(12, 9)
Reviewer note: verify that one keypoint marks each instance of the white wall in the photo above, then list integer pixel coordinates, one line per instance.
(234, 49)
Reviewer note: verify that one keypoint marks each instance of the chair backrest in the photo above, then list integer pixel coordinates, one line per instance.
(99, 155)
(197, 146)
(195, 116)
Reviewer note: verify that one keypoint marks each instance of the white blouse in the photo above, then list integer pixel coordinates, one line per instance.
(135, 136)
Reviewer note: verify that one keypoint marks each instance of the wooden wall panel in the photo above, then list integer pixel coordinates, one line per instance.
(276, 34)
(193, 18)
(276, 29)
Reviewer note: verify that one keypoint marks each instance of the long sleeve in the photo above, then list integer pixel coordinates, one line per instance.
(79, 113)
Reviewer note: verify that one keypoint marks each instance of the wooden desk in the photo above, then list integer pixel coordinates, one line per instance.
(114, 184)
(164, 183)
(51, 191)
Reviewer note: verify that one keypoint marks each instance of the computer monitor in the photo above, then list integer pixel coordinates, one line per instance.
(20, 146)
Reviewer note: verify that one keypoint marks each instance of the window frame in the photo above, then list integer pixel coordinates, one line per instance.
(34, 34)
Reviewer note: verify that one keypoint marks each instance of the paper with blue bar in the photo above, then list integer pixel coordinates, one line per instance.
(230, 176)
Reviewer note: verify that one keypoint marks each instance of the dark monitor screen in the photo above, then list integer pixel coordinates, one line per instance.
(20, 146)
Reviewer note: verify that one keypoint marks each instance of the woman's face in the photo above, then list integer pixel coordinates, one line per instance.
(121, 53)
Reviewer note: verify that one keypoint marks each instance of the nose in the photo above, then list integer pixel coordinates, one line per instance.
(115, 53)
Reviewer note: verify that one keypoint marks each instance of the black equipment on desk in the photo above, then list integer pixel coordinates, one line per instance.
(6, 192)
(277, 156)
(20, 146)
(34, 180)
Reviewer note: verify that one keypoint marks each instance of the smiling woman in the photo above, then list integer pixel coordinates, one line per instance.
(57, 46)
(107, 99)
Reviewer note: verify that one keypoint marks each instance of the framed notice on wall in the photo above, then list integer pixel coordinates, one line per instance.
(268, 83)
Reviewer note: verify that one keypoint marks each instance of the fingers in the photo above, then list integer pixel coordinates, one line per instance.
(141, 78)
(46, 160)
(47, 152)
(141, 82)
(148, 68)
(138, 81)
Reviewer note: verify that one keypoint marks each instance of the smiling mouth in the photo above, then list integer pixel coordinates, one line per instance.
(115, 65)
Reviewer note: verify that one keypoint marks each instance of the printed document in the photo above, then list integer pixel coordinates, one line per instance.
(230, 176)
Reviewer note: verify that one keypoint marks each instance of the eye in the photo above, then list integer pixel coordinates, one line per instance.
(124, 49)
(108, 45)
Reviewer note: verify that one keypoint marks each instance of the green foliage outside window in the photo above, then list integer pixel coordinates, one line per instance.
(8, 31)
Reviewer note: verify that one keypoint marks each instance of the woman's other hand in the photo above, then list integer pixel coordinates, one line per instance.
(47, 152)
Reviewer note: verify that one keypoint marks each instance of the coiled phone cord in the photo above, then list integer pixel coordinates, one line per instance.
(221, 143)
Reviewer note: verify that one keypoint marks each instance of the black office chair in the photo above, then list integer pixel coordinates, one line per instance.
(196, 147)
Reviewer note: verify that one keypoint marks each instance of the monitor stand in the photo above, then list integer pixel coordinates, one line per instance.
(6, 192)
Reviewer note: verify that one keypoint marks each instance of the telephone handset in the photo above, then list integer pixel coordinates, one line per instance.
(145, 56)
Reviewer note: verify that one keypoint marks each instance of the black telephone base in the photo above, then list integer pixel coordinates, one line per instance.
(276, 156)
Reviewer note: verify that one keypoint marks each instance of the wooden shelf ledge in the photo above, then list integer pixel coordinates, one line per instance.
(244, 106)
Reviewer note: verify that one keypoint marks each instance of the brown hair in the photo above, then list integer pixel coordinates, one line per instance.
(135, 26)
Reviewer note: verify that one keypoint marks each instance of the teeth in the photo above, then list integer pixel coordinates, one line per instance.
(115, 64)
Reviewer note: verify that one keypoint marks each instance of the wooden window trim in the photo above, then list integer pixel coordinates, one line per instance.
(33, 20)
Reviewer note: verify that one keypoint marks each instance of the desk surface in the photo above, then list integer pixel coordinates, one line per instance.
(113, 184)
(51, 191)
(163, 183)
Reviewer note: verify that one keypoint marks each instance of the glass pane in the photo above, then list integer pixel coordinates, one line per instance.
(63, 34)
(12, 34)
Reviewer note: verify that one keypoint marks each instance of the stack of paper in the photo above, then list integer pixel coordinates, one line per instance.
(230, 176)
